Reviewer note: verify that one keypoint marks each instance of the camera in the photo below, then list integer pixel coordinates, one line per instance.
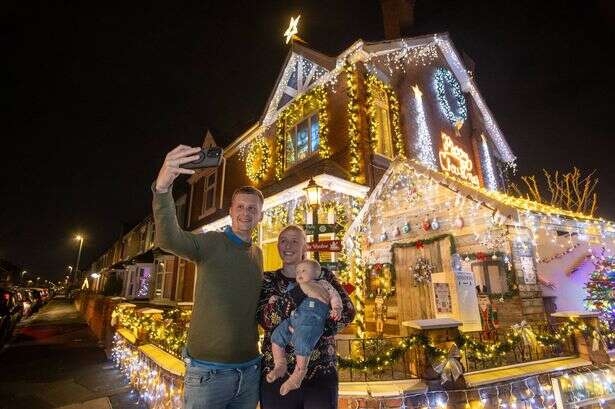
(208, 158)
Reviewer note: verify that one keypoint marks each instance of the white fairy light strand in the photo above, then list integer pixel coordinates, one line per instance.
(424, 144)
(467, 85)
(445, 80)
(492, 183)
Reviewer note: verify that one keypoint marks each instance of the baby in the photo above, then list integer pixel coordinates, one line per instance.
(307, 323)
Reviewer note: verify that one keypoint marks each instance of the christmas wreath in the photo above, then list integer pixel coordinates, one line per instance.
(258, 160)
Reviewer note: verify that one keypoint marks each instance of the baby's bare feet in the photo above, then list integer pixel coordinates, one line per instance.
(293, 382)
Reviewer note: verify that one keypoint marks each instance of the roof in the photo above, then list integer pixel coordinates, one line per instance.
(302, 67)
(366, 52)
(507, 205)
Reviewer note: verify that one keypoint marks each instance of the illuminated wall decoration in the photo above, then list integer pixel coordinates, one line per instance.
(258, 160)
(455, 161)
(376, 87)
(291, 115)
(353, 121)
(454, 108)
(489, 174)
(423, 144)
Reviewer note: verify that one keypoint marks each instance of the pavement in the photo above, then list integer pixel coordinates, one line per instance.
(54, 361)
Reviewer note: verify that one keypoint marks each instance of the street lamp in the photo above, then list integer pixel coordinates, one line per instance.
(312, 192)
(23, 273)
(80, 238)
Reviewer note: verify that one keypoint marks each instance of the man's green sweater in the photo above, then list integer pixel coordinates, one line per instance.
(228, 283)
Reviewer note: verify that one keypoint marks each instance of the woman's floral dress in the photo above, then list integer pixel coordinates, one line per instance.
(323, 359)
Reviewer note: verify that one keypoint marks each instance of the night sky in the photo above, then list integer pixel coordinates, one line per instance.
(95, 97)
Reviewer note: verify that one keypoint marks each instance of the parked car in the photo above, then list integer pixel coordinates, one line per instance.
(23, 296)
(36, 299)
(10, 313)
(44, 294)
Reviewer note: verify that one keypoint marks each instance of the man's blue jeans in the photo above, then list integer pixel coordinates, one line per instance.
(221, 388)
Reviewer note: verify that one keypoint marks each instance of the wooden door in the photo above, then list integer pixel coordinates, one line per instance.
(414, 300)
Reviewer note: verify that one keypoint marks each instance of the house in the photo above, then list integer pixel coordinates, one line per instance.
(342, 121)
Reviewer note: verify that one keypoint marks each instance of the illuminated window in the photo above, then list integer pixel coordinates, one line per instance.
(302, 140)
(384, 143)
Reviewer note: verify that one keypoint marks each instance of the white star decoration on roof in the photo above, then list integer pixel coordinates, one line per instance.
(292, 28)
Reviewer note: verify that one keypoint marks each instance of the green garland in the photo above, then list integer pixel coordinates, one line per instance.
(488, 351)
(374, 84)
(352, 112)
(169, 333)
(392, 355)
(427, 241)
(292, 114)
(259, 151)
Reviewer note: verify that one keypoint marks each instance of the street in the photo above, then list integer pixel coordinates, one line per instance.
(54, 361)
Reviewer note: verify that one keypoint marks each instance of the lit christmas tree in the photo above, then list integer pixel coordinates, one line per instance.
(601, 290)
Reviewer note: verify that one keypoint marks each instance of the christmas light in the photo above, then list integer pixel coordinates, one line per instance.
(353, 121)
(292, 28)
(491, 181)
(316, 99)
(423, 145)
(258, 160)
(456, 161)
(375, 89)
(445, 80)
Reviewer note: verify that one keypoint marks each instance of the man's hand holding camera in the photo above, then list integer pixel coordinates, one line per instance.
(171, 168)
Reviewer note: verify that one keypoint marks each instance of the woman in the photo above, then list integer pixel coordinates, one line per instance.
(319, 388)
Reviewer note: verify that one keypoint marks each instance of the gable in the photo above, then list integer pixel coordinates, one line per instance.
(303, 68)
(209, 140)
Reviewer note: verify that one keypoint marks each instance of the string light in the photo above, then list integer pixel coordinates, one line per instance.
(316, 99)
(456, 161)
(445, 80)
(375, 90)
(353, 121)
(492, 183)
(258, 160)
(424, 145)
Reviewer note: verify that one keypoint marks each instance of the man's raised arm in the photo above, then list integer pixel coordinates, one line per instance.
(169, 236)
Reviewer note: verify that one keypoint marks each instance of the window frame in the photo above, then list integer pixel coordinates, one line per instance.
(381, 102)
(486, 279)
(293, 132)
(206, 211)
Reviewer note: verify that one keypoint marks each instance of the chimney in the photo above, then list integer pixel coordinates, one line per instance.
(397, 16)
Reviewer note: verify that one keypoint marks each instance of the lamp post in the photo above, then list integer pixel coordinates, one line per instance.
(23, 273)
(80, 238)
(312, 192)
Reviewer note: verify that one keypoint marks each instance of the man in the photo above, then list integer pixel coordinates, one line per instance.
(222, 359)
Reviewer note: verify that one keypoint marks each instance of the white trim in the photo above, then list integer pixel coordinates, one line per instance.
(221, 199)
(468, 85)
(190, 206)
(328, 182)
